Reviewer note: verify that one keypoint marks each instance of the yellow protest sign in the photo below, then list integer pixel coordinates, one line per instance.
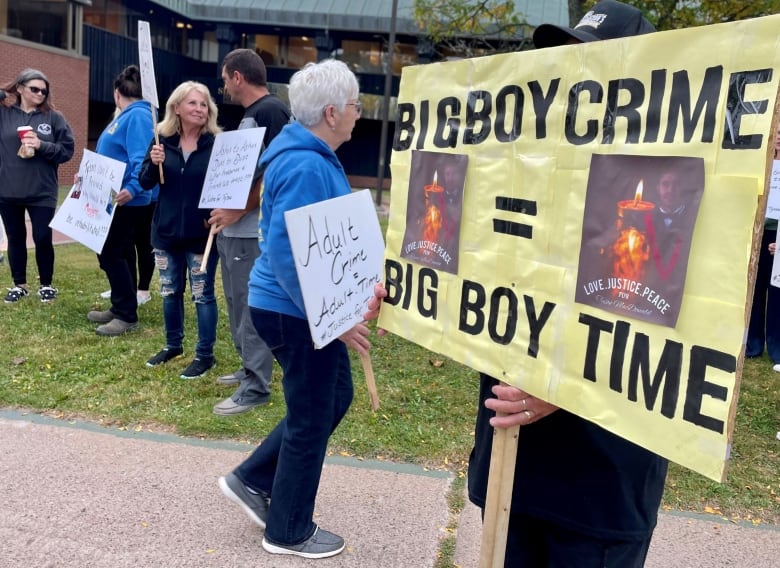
(578, 222)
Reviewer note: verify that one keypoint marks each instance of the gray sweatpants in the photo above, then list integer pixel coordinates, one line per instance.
(237, 257)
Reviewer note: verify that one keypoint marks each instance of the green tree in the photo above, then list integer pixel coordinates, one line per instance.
(675, 14)
(466, 28)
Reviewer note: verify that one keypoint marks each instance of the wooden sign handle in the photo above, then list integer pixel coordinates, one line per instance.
(499, 497)
(207, 251)
(368, 371)
(157, 140)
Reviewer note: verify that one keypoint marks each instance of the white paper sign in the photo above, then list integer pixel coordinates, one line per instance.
(232, 166)
(88, 210)
(773, 199)
(339, 252)
(146, 64)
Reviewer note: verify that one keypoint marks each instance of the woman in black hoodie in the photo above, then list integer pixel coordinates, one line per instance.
(34, 140)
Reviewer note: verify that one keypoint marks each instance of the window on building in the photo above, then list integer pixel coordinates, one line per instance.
(267, 46)
(39, 21)
(109, 15)
(369, 56)
(300, 51)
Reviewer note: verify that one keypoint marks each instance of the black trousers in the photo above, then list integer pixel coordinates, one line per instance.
(13, 215)
(117, 259)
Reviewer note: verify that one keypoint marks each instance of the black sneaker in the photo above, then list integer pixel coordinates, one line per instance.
(321, 544)
(47, 294)
(198, 368)
(254, 504)
(165, 355)
(15, 294)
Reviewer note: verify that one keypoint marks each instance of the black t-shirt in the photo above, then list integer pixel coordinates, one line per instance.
(575, 474)
(266, 111)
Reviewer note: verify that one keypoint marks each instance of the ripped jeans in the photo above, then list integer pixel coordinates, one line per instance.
(174, 267)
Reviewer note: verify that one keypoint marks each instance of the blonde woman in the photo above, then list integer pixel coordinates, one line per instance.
(179, 229)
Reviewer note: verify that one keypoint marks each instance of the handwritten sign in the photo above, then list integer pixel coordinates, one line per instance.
(338, 251)
(88, 210)
(231, 169)
(146, 63)
(773, 199)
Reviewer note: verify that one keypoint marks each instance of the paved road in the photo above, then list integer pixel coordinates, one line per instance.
(76, 495)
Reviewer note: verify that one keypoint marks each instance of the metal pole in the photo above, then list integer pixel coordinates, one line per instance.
(380, 178)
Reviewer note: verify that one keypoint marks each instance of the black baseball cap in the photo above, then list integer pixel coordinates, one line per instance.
(608, 19)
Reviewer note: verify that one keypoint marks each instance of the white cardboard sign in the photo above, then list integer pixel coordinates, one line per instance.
(231, 168)
(146, 64)
(339, 252)
(86, 213)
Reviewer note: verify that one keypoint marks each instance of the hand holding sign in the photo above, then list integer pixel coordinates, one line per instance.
(338, 251)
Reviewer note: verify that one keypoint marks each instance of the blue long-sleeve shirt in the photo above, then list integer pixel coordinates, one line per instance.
(126, 139)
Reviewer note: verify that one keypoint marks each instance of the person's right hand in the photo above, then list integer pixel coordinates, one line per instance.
(772, 247)
(157, 154)
(518, 408)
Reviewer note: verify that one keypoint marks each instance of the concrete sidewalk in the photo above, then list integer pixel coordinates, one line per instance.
(75, 494)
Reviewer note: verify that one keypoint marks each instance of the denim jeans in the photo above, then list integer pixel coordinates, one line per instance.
(317, 386)
(174, 268)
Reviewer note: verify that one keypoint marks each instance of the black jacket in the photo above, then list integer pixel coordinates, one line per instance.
(178, 223)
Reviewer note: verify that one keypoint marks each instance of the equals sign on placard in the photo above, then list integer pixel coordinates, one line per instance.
(523, 206)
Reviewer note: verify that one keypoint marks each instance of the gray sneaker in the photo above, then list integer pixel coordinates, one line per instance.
(116, 327)
(254, 505)
(230, 379)
(229, 407)
(98, 316)
(321, 544)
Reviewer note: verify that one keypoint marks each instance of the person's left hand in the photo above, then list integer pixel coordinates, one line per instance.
(519, 407)
(772, 247)
(357, 338)
(31, 139)
(221, 218)
(123, 197)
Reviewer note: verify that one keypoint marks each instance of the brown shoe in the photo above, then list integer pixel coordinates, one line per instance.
(116, 327)
(100, 317)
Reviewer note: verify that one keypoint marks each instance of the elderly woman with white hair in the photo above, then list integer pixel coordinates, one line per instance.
(277, 485)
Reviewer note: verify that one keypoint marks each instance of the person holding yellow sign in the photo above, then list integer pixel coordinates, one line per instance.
(582, 496)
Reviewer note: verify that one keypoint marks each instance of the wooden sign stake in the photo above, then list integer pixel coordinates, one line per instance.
(499, 497)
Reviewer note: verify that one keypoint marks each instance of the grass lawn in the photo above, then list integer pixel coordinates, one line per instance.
(54, 363)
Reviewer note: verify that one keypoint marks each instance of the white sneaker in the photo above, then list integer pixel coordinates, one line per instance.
(143, 296)
(105, 295)
(776, 368)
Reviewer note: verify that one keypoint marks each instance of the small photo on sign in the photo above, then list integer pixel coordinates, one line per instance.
(638, 223)
(434, 209)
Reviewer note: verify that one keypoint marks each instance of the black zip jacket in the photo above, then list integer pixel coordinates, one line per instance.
(178, 224)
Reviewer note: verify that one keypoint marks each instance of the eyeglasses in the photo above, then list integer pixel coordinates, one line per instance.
(38, 91)
(358, 106)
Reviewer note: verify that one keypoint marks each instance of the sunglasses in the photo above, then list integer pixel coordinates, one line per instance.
(38, 91)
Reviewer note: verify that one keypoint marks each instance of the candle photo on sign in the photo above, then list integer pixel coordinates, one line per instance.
(339, 250)
(637, 230)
